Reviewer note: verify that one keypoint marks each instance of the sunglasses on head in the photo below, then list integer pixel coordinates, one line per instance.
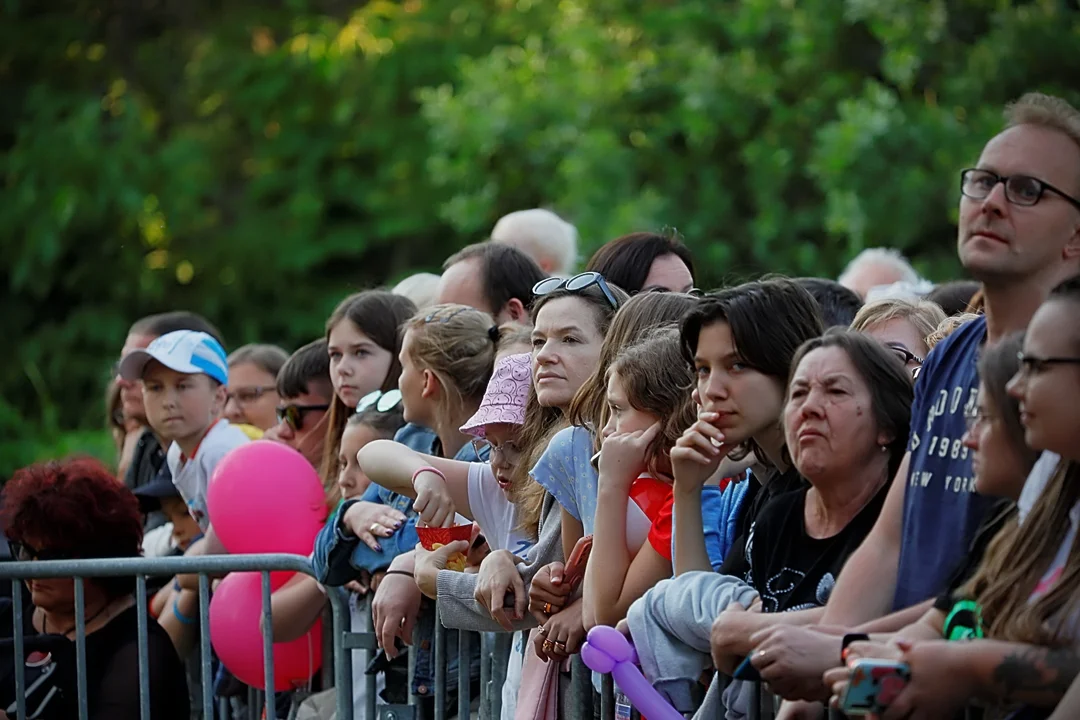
(382, 401)
(24, 553)
(294, 414)
(576, 284)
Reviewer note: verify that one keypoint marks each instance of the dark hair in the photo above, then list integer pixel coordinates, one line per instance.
(889, 382)
(998, 363)
(838, 304)
(268, 358)
(626, 261)
(954, 297)
(506, 273)
(77, 507)
(385, 423)
(307, 366)
(165, 323)
(379, 314)
(769, 320)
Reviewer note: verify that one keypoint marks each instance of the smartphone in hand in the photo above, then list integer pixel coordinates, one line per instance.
(574, 572)
(874, 684)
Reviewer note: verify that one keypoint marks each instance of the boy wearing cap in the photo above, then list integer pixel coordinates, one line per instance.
(184, 376)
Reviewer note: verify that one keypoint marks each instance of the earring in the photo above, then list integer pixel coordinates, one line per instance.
(884, 448)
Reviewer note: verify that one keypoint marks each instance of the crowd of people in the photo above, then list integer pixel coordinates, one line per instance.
(786, 481)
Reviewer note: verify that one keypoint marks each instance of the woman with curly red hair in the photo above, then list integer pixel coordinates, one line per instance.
(75, 509)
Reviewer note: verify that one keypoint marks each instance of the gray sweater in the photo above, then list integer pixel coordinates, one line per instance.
(457, 603)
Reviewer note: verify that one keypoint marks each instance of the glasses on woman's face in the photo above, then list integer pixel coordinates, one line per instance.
(25, 553)
(381, 401)
(977, 418)
(508, 452)
(904, 354)
(247, 395)
(576, 284)
(294, 414)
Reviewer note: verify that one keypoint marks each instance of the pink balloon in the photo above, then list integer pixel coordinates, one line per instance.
(264, 497)
(234, 632)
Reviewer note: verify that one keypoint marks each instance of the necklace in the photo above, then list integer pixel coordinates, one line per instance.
(92, 618)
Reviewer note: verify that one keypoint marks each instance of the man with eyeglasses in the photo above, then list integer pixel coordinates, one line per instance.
(1019, 235)
(305, 389)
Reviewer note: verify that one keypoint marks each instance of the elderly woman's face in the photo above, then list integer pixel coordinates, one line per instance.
(829, 420)
(53, 594)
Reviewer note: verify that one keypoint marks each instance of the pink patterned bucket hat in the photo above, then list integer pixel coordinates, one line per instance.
(504, 400)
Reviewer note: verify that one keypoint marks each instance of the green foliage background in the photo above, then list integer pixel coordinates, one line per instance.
(254, 161)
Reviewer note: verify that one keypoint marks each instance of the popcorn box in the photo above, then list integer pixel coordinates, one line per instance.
(433, 538)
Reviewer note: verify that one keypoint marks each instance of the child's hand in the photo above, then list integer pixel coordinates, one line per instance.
(698, 453)
(367, 520)
(623, 455)
(433, 500)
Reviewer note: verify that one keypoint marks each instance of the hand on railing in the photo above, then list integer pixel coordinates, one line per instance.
(497, 580)
(730, 635)
(561, 636)
(396, 605)
(792, 659)
(548, 594)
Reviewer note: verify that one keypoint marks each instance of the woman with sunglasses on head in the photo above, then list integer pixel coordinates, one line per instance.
(75, 509)
(901, 325)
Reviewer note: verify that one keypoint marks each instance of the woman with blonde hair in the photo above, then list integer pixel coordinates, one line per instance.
(902, 325)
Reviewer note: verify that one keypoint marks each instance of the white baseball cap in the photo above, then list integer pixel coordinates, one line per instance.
(185, 351)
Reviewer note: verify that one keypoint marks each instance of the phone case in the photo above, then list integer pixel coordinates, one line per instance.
(574, 572)
(873, 686)
(746, 671)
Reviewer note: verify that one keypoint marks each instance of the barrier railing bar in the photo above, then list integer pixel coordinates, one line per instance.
(339, 607)
(440, 666)
(487, 653)
(464, 701)
(607, 698)
(143, 643)
(204, 647)
(20, 648)
(369, 656)
(414, 700)
(157, 567)
(268, 650)
(80, 647)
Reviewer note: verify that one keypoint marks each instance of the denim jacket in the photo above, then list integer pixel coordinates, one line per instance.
(339, 556)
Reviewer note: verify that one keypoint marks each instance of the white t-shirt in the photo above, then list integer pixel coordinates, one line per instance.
(495, 515)
(191, 476)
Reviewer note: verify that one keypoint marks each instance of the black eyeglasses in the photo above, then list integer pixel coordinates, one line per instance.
(294, 414)
(575, 285)
(1019, 189)
(24, 553)
(1037, 365)
(904, 354)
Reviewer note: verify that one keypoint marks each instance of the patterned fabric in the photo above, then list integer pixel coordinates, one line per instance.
(504, 400)
(564, 471)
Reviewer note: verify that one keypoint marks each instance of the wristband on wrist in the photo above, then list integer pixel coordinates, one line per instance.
(184, 619)
(406, 573)
(848, 639)
(429, 469)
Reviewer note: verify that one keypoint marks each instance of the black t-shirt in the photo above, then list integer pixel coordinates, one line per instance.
(790, 569)
(757, 497)
(112, 674)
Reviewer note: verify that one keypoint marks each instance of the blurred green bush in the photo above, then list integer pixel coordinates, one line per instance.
(254, 161)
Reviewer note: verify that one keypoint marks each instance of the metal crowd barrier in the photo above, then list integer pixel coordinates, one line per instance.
(204, 567)
(495, 647)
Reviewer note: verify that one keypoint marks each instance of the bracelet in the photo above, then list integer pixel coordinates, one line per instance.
(406, 573)
(184, 619)
(848, 639)
(430, 470)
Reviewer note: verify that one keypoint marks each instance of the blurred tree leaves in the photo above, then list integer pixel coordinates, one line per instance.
(254, 161)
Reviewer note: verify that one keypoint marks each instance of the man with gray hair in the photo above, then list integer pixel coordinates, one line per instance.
(874, 267)
(543, 236)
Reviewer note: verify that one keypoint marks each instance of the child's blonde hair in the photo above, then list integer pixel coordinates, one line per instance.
(456, 344)
(656, 380)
